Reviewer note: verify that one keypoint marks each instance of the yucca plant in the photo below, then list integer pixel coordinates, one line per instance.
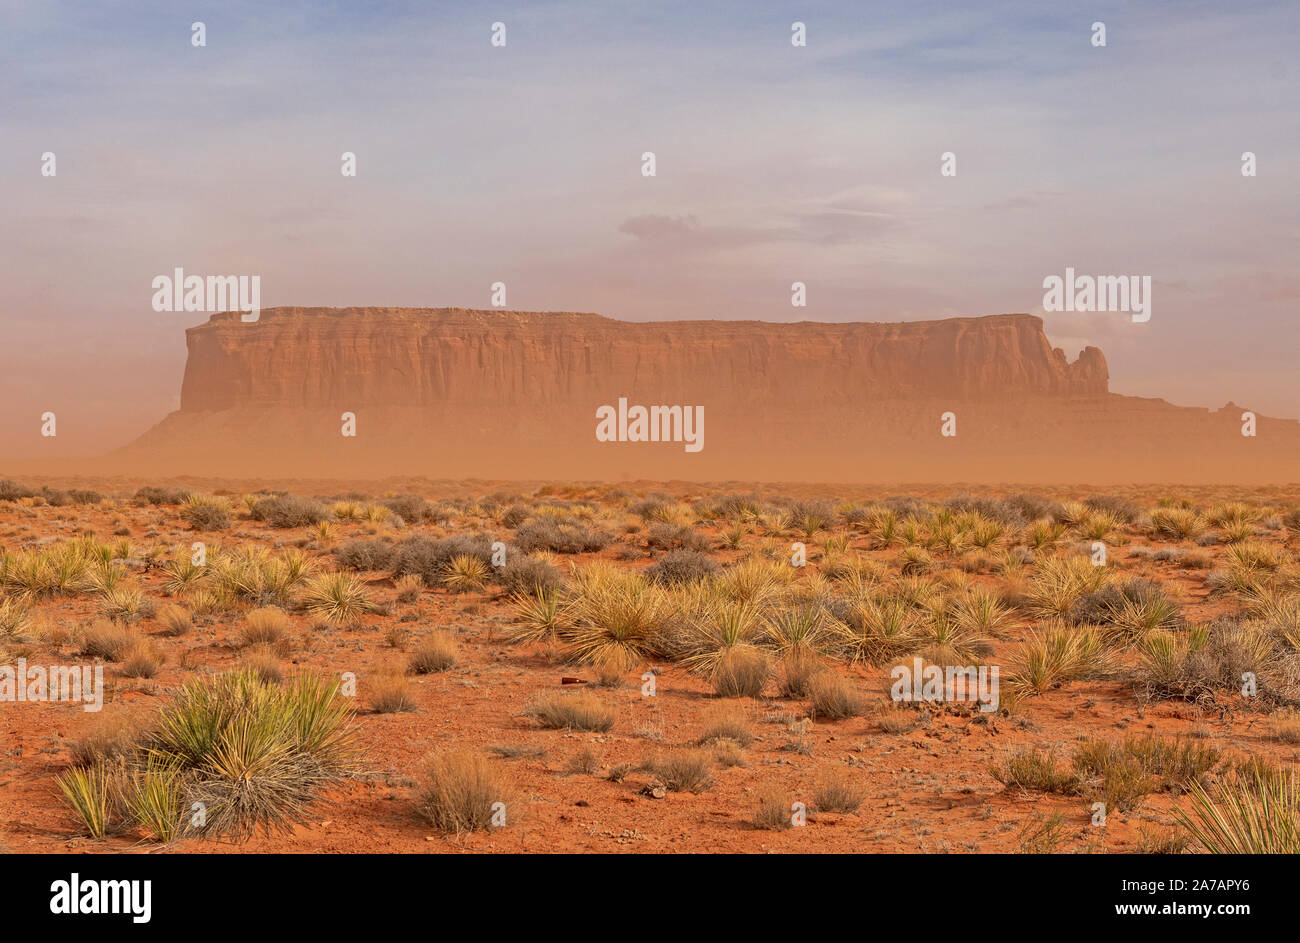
(14, 619)
(800, 631)
(337, 597)
(615, 624)
(720, 627)
(91, 792)
(465, 574)
(877, 630)
(156, 801)
(1251, 815)
(540, 616)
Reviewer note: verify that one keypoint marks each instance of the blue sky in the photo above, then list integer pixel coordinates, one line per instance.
(522, 164)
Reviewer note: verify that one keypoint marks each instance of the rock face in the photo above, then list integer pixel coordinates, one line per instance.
(450, 392)
(364, 357)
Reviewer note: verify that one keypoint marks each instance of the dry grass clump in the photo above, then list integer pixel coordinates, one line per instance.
(262, 661)
(436, 653)
(390, 692)
(175, 620)
(459, 791)
(1122, 773)
(683, 770)
(106, 639)
(726, 724)
(265, 626)
(1193, 664)
(838, 793)
(581, 711)
(741, 672)
(774, 811)
(409, 587)
(111, 738)
(1034, 770)
(833, 696)
(141, 659)
(1177, 523)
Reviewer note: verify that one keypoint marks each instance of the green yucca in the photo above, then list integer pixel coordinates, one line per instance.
(803, 630)
(337, 597)
(878, 629)
(540, 615)
(91, 793)
(157, 801)
(615, 624)
(465, 573)
(14, 618)
(1253, 815)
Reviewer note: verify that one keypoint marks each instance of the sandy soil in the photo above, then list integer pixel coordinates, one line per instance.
(928, 790)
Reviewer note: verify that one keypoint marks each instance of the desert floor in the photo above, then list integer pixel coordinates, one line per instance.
(924, 774)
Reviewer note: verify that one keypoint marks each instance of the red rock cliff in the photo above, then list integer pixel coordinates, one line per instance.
(481, 360)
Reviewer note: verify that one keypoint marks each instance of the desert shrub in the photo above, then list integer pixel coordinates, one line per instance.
(409, 507)
(14, 619)
(256, 755)
(1193, 664)
(1033, 507)
(1034, 769)
(155, 496)
(527, 574)
(1120, 507)
(515, 515)
(205, 513)
(670, 536)
(338, 598)
(741, 671)
(436, 653)
(838, 793)
(106, 639)
(288, 510)
(265, 626)
(833, 696)
(465, 574)
(812, 516)
(683, 770)
(560, 536)
(616, 620)
(13, 491)
(1177, 523)
(430, 559)
(681, 566)
(583, 711)
(773, 812)
(458, 791)
(366, 555)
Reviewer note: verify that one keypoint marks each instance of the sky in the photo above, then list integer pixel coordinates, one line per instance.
(522, 164)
